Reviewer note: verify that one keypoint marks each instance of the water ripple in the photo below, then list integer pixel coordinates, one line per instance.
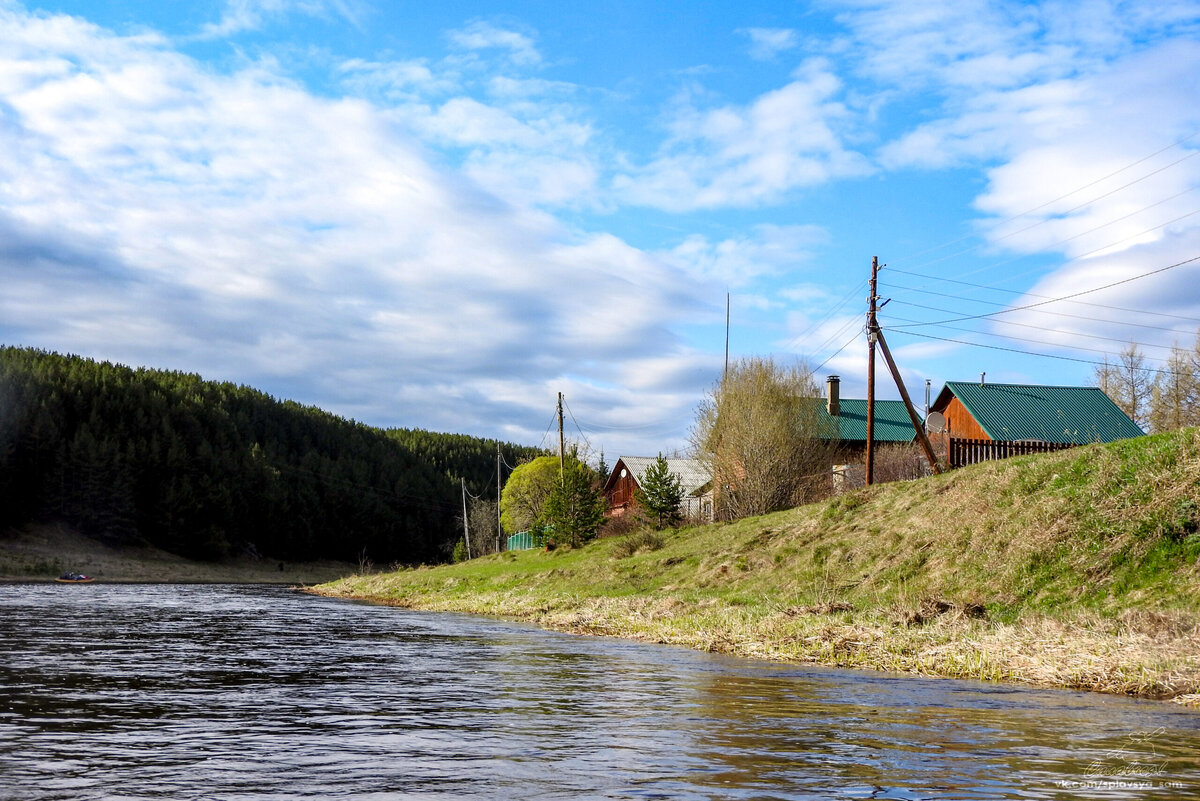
(253, 693)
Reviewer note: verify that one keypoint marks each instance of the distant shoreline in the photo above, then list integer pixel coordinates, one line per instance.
(40, 554)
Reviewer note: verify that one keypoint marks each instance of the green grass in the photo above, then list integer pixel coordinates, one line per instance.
(1066, 552)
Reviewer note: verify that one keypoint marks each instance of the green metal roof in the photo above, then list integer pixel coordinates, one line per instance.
(1065, 415)
(892, 423)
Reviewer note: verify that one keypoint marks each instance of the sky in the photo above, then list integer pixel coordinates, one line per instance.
(441, 215)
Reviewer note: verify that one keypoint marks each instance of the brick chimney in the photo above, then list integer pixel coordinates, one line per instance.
(832, 396)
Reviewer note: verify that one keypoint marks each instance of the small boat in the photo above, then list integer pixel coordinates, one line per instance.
(74, 578)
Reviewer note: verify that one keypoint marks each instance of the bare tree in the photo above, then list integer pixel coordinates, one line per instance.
(759, 429)
(1175, 396)
(1128, 383)
(481, 519)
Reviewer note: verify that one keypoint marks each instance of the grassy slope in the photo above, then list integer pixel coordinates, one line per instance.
(1075, 569)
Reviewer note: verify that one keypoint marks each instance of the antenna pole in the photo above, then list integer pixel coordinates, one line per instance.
(725, 372)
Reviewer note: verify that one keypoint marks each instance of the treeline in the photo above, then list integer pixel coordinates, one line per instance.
(208, 469)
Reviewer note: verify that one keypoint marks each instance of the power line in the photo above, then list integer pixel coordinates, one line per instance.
(1090, 318)
(848, 297)
(1027, 212)
(836, 352)
(1065, 297)
(577, 428)
(1042, 341)
(1022, 352)
(993, 288)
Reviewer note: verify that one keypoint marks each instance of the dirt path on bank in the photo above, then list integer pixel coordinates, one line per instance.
(42, 553)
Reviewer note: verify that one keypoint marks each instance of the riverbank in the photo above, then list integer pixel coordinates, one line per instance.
(1076, 569)
(42, 553)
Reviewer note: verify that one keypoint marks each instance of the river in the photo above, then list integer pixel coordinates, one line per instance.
(249, 692)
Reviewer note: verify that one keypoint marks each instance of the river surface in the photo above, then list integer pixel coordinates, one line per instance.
(236, 692)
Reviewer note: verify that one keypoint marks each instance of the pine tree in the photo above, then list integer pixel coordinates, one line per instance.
(659, 494)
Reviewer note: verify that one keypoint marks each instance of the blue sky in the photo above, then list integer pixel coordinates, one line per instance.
(441, 215)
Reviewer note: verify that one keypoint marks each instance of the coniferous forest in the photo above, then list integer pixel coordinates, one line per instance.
(207, 469)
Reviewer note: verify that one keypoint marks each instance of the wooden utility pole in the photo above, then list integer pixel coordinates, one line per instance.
(499, 530)
(912, 413)
(872, 333)
(466, 530)
(562, 446)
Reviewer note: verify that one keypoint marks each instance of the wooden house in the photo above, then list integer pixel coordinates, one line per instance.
(981, 421)
(844, 421)
(694, 478)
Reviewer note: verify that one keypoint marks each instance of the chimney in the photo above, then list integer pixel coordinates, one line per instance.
(833, 401)
(982, 379)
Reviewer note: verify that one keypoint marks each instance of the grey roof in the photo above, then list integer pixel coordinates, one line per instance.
(693, 473)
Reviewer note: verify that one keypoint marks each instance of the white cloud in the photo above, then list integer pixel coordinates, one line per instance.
(480, 35)
(736, 262)
(768, 43)
(239, 16)
(409, 80)
(157, 213)
(743, 156)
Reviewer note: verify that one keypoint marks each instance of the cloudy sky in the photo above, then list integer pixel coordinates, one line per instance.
(439, 215)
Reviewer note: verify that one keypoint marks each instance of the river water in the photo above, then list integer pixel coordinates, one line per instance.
(236, 692)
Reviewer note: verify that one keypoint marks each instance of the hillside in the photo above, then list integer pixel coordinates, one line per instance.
(209, 470)
(1075, 569)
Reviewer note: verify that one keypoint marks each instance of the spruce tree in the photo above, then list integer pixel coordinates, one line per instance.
(659, 495)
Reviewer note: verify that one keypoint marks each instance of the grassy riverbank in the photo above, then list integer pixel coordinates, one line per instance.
(1077, 569)
(41, 553)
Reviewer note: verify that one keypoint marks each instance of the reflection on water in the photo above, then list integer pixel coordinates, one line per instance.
(198, 692)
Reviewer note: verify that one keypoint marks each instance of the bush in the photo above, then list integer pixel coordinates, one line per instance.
(642, 540)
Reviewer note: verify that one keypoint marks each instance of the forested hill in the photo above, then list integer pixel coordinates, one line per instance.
(207, 469)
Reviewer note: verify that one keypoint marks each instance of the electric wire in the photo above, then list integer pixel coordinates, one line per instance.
(1042, 341)
(846, 299)
(586, 441)
(1064, 297)
(1089, 318)
(817, 369)
(1022, 352)
(1021, 292)
(1027, 212)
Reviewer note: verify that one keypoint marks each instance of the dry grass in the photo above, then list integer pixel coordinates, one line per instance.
(1076, 569)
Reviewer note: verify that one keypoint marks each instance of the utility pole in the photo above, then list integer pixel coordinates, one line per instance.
(466, 530)
(872, 333)
(912, 413)
(499, 530)
(562, 446)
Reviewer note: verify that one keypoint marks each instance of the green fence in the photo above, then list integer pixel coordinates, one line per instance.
(521, 541)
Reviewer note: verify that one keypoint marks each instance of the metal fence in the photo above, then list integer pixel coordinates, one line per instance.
(973, 451)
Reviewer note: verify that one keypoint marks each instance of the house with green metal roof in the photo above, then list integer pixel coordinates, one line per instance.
(845, 419)
(1025, 412)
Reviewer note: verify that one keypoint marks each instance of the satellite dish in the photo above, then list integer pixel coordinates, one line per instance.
(935, 423)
